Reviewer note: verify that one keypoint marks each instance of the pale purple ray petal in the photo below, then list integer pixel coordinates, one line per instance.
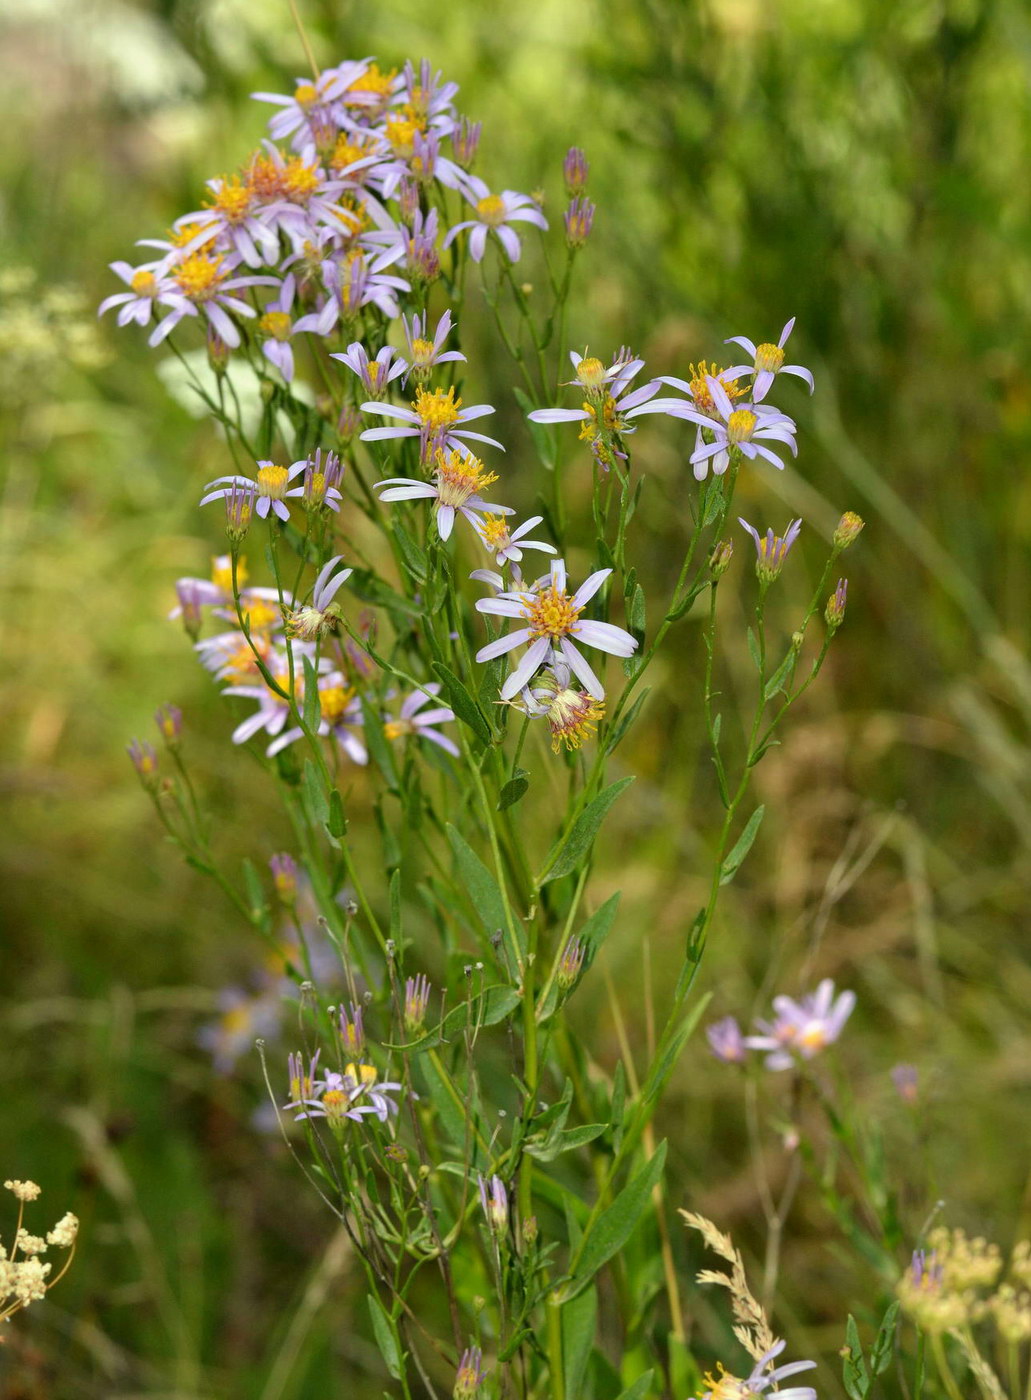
(589, 587)
(503, 644)
(606, 636)
(510, 241)
(451, 747)
(789, 326)
(535, 656)
(745, 344)
(445, 521)
(501, 607)
(582, 670)
(800, 372)
(389, 410)
(557, 415)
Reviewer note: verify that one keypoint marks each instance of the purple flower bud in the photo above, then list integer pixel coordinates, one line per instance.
(284, 877)
(575, 169)
(470, 1376)
(417, 999)
(169, 720)
(834, 613)
(408, 200)
(579, 219)
(848, 530)
(145, 761)
(352, 1031)
(464, 140)
(239, 503)
(719, 560)
(494, 1200)
(572, 961)
(349, 423)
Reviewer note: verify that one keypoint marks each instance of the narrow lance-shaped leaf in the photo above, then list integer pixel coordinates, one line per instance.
(741, 846)
(572, 850)
(615, 1225)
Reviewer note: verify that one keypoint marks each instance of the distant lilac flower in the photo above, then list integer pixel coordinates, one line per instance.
(352, 285)
(148, 289)
(726, 1040)
(906, 1080)
(429, 94)
(362, 1082)
(352, 1031)
(494, 1200)
(321, 484)
(284, 877)
(802, 1027)
(277, 325)
(767, 363)
(271, 484)
(426, 353)
(169, 721)
(375, 374)
(409, 720)
(764, 1378)
(436, 418)
(553, 620)
(243, 1018)
(495, 213)
(771, 550)
(145, 761)
(302, 1080)
(507, 544)
(736, 426)
(456, 485)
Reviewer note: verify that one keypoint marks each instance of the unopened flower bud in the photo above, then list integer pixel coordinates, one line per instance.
(797, 638)
(575, 169)
(169, 720)
(719, 560)
(239, 504)
(284, 877)
(417, 999)
(145, 761)
(494, 1200)
(470, 1376)
(408, 200)
(572, 961)
(530, 1230)
(464, 141)
(834, 613)
(352, 1031)
(848, 530)
(218, 352)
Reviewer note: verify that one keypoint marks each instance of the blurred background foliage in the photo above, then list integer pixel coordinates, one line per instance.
(860, 164)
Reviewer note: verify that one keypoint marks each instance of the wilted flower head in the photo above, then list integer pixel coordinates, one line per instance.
(572, 962)
(322, 613)
(284, 877)
(834, 613)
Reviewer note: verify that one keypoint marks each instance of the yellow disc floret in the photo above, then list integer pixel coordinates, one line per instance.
(272, 481)
(741, 425)
(700, 389)
(491, 210)
(551, 613)
(334, 700)
(233, 199)
(305, 95)
(573, 716)
(435, 409)
(200, 276)
(460, 477)
(373, 81)
(590, 373)
(144, 283)
(769, 358)
(495, 532)
(401, 133)
(276, 324)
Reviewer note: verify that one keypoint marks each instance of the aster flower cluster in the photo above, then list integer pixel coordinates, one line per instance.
(25, 1277)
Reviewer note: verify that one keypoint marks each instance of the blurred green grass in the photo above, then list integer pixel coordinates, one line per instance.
(859, 165)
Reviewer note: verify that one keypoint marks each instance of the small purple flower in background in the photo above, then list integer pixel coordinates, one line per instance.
(465, 140)
(771, 550)
(363, 1082)
(494, 1200)
(276, 322)
(802, 1028)
(302, 1081)
(417, 1000)
(726, 1040)
(340, 714)
(375, 374)
(410, 721)
(169, 721)
(906, 1080)
(470, 1375)
(495, 212)
(834, 613)
(767, 363)
(147, 290)
(426, 353)
(243, 1019)
(145, 761)
(352, 1032)
(763, 1378)
(553, 620)
(284, 877)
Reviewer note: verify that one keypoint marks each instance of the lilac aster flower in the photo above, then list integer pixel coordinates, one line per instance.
(242, 1019)
(147, 289)
(737, 426)
(362, 1082)
(495, 212)
(767, 363)
(271, 484)
(771, 550)
(726, 1040)
(610, 403)
(375, 374)
(311, 621)
(303, 111)
(465, 141)
(507, 544)
(426, 353)
(553, 619)
(764, 1378)
(340, 714)
(277, 324)
(204, 279)
(579, 220)
(458, 481)
(428, 94)
(233, 224)
(436, 418)
(412, 719)
(802, 1027)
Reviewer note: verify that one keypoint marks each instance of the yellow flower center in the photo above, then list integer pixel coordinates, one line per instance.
(236, 1019)
(335, 1102)
(372, 80)
(460, 477)
(813, 1037)
(741, 425)
(300, 181)
(727, 1387)
(261, 614)
(396, 728)
(144, 283)
(233, 200)
(222, 572)
(334, 701)
(200, 275)
(422, 353)
(242, 664)
(769, 357)
(435, 409)
(277, 324)
(551, 613)
(591, 373)
(272, 482)
(491, 210)
(401, 133)
(180, 237)
(305, 94)
(316, 488)
(347, 150)
(361, 1074)
(495, 532)
(700, 390)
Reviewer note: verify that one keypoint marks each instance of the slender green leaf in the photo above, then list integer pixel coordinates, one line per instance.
(753, 650)
(579, 1321)
(615, 1225)
(776, 681)
(713, 501)
(385, 1339)
(664, 1067)
(574, 848)
(565, 1141)
(741, 846)
(640, 1387)
(480, 884)
(880, 1356)
(377, 743)
(463, 704)
(315, 793)
(514, 789)
(626, 720)
(311, 709)
(854, 1373)
(413, 555)
(336, 823)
